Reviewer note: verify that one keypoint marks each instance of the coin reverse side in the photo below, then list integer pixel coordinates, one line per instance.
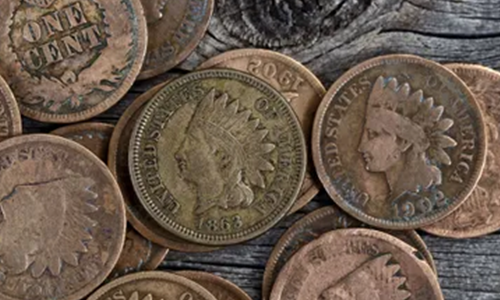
(10, 118)
(217, 286)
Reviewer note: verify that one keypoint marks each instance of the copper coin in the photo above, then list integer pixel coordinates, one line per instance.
(62, 219)
(10, 118)
(217, 286)
(118, 164)
(480, 213)
(152, 286)
(299, 85)
(67, 61)
(175, 28)
(360, 264)
(313, 226)
(399, 142)
(217, 157)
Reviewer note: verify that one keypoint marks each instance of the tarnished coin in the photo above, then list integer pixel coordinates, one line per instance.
(66, 60)
(217, 286)
(480, 213)
(399, 142)
(313, 226)
(10, 118)
(359, 264)
(118, 164)
(175, 28)
(62, 219)
(152, 286)
(217, 157)
(299, 85)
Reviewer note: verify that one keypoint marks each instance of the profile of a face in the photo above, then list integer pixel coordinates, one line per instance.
(153, 10)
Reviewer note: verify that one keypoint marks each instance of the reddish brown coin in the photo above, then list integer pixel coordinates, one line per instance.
(356, 264)
(217, 286)
(10, 118)
(62, 219)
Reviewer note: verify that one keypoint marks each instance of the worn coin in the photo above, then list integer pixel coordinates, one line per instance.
(313, 226)
(299, 85)
(217, 157)
(175, 28)
(217, 286)
(480, 213)
(399, 142)
(118, 164)
(10, 118)
(359, 264)
(67, 60)
(62, 219)
(152, 286)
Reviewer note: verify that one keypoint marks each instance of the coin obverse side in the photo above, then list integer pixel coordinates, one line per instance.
(175, 28)
(70, 60)
(360, 264)
(217, 157)
(10, 118)
(152, 286)
(62, 219)
(300, 86)
(480, 213)
(118, 164)
(317, 223)
(217, 286)
(399, 142)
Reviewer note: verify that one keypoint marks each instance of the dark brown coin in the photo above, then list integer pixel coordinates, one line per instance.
(359, 264)
(118, 164)
(152, 286)
(480, 213)
(217, 157)
(10, 118)
(66, 60)
(175, 28)
(315, 224)
(62, 219)
(399, 142)
(217, 286)
(299, 85)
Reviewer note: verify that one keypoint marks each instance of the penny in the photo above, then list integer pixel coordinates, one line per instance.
(299, 85)
(175, 28)
(152, 286)
(480, 213)
(67, 61)
(217, 286)
(118, 164)
(399, 142)
(217, 157)
(62, 219)
(359, 264)
(10, 118)
(315, 224)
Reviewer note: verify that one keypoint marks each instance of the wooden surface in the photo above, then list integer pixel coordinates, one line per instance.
(330, 36)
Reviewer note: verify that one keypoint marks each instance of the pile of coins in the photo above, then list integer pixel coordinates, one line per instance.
(220, 155)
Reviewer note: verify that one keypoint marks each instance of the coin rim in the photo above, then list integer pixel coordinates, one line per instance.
(80, 128)
(198, 276)
(11, 102)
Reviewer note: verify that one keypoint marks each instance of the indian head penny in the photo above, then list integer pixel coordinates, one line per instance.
(70, 60)
(299, 85)
(480, 213)
(10, 118)
(217, 286)
(175, 27)
(359, 264)
(217, 157)
(62, 219)
(399, 142)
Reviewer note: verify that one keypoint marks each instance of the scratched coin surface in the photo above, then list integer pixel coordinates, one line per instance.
(70, 60)
(317, 223)
(62, 219)
(118, 164)
(152, 286)
(10, 118)
(217, 286)
(217, 157)
(175, 28)
(399, 142)
(480, 213)
(359, 264)
(299, 85)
